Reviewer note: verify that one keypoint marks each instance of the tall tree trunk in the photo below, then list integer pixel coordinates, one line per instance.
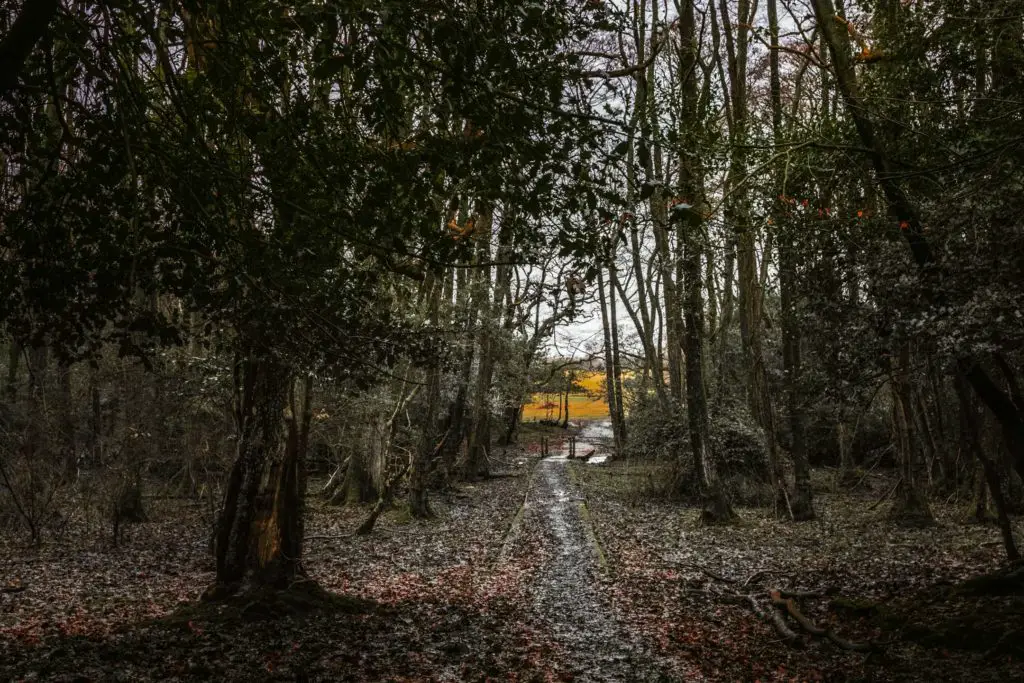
(259, 532)
(66, 417)
(802, 502)
(456, 419)
(568, 392)
(419, 504)
(715, 507)
(480, 437)
(620, 408)
(609, 365)
(737, 214)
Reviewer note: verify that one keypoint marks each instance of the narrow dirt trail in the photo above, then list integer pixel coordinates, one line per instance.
(566, 596)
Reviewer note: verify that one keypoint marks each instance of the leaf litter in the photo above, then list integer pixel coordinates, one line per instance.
(553, 571)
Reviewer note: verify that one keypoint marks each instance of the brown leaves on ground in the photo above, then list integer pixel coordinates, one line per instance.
(437, 604)
(874, 583)
(456, 598)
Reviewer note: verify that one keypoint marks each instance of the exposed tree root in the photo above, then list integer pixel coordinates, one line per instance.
(1009, 581)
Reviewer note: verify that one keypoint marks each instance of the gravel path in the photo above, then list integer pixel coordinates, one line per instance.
(565, 594)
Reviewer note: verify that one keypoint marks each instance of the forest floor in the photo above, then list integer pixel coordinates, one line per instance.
(554, 570)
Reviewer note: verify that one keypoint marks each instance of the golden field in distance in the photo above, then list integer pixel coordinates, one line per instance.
(589, 404)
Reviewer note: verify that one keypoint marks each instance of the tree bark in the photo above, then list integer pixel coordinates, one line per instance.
(609, 363)
(480, 437)
(260, 531)
(620, 407)
(419, 504)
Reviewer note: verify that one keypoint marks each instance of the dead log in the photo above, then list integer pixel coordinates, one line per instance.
(336, 478)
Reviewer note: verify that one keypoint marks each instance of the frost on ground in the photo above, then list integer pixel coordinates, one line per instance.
(553, 571)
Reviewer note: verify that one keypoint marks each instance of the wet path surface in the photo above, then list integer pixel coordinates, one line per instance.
(566, 593)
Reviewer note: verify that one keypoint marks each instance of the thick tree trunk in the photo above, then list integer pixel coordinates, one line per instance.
(715, 505)
(419, 504)
(737, 214)
(358, 485)
(260, 530)
(513, 414)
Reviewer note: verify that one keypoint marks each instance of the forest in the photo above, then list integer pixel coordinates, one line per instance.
(525, 340)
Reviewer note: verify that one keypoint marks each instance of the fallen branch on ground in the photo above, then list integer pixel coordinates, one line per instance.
(776, 619)
(806, 624)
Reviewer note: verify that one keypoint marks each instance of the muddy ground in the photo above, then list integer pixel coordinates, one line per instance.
(555, 570)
